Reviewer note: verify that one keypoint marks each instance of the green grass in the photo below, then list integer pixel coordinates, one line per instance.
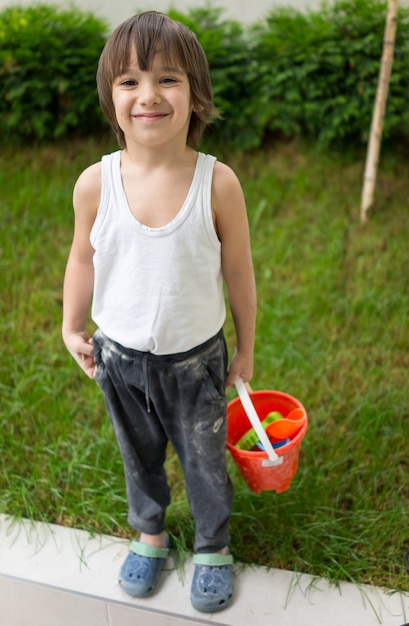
(332, 331)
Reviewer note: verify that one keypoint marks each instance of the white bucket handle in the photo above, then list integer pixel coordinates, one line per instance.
(251, 413)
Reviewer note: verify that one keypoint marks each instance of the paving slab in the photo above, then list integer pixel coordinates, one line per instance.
(56, 576)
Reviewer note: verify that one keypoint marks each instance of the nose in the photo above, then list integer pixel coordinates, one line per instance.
(148, 92)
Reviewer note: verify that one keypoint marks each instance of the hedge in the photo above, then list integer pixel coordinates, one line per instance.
(48, 59)
(311, 73)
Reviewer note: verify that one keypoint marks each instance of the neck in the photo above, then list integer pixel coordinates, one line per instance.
(158, 156)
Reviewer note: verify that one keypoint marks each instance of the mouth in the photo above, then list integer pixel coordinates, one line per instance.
(150, 117)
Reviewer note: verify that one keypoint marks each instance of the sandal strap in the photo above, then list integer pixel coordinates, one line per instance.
(143, 549)
(213, 559)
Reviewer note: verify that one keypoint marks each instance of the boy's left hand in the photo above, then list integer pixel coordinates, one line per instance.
(241, 366)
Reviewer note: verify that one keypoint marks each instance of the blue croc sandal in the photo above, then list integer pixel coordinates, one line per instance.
(140, 571)
(212, 585)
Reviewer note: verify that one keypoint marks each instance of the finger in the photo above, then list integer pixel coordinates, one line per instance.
(87, 349)
(91, 371)
(231, 378)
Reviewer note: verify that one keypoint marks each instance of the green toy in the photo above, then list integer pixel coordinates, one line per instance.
(250, 438)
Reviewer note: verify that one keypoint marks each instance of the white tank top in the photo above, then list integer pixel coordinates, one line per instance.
(157, 290)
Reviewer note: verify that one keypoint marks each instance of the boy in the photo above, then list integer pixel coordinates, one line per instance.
(158, 227)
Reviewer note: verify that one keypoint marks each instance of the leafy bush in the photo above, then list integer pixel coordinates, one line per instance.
(319, 70)
(48, 59)
(313, 73)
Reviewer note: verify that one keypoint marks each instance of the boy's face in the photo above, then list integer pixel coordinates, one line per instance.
(153, 107)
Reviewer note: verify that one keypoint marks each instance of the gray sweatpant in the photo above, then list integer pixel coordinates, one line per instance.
(179, 398)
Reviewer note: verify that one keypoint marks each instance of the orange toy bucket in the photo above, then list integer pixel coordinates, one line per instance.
(262, 470)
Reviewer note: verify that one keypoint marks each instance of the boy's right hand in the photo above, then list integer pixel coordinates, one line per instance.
(81, 348)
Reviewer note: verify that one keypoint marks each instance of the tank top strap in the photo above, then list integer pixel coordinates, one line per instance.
(111, 187)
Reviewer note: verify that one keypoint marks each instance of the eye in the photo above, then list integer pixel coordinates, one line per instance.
(129, 82)
(168, 80)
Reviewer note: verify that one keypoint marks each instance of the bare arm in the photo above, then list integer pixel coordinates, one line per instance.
(79, 273)
(233, 231)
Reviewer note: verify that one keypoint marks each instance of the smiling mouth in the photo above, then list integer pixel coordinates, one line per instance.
(150, 117)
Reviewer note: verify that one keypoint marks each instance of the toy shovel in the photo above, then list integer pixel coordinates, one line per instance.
(287, 427)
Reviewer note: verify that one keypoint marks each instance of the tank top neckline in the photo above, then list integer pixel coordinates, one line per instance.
(181, 215)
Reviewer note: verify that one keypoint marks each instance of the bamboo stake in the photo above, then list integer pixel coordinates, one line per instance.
(372, 158)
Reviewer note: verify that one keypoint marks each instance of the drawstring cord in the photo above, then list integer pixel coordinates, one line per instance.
(146, 381)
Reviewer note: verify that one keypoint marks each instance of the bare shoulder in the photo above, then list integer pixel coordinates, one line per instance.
(87, 190)
(228, 204)
(224, 180)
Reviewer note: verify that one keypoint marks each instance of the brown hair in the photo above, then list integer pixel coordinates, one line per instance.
(145, 33)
